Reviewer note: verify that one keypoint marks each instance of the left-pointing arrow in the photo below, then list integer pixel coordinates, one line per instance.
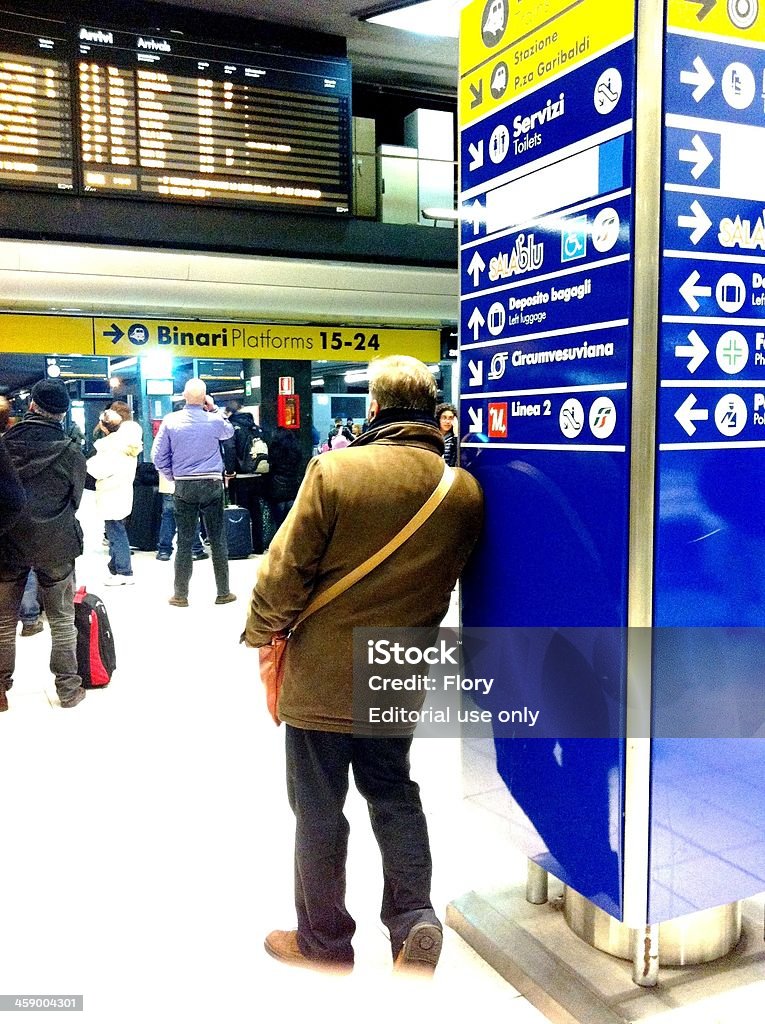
(688, 413)
(690, 288)
(115, 334)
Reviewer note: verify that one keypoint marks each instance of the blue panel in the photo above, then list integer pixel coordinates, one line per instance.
(708, 811)
(545, 340)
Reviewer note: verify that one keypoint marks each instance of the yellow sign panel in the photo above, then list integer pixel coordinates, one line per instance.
(47, 335)
(542, 39)
(737, 19)
(233, 340)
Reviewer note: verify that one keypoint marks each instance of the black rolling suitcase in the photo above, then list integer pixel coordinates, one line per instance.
(143, 522)
(238, 531)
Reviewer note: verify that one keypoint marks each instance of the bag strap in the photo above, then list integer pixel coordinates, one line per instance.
(417, 520)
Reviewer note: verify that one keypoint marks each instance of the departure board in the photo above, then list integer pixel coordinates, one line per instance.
(98, 109)
(35, 105)
(168, 118)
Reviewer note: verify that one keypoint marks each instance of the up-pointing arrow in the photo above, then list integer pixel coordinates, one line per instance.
(686, 415)
(700, 77)
(696, 351)
(476, 373)
(689, 290)
(476, 420)
(475, 267)
(476, 322)
(476, 153)
(476, 216)
(699, 156)
(699, 222)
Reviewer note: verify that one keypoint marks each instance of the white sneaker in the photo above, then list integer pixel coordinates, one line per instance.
(119, 581)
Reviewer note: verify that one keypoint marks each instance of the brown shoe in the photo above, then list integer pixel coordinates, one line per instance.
(3, 699)
(73, 699)
(225, 598)
(30, 628)
(284, 946)
(421, 949)
(179, 602)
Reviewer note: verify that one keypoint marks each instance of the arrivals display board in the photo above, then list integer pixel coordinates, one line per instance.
(546, 194)
(98, 109)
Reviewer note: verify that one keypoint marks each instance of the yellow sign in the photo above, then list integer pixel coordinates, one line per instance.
(233, 340)
(736, 19)
(542, 39)
(198, 339)
(47, 335)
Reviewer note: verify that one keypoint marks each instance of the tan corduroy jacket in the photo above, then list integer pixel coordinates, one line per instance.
(351, 503)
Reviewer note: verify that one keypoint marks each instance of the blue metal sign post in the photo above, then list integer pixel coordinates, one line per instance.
(612, 341)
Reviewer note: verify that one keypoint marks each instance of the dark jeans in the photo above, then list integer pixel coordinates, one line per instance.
(56, 587)
(317, 785)
(119, 548)
(167, 528)
(192, 499)
(30, 605)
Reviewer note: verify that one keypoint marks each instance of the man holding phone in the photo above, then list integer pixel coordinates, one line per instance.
(187, 451)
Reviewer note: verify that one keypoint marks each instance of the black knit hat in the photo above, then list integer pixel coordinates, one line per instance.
(51, 396)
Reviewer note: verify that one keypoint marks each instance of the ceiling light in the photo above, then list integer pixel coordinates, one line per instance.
(356, 376)
(317, 382)
(429, 17)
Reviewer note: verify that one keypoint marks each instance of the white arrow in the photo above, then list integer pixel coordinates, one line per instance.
(701, 78)
(476, 266)
(476, 215)
(476, 322)
(699, 156)
(696, 352)
(476, 152)
(686, 415)
(699, 222)
(689, 291)
(476, 373)
(476, 420)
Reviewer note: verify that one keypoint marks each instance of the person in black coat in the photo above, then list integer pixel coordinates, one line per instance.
(46, 538)
(12, 495)
(285, 458)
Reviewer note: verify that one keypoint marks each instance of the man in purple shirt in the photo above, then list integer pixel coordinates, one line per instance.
(187, 450)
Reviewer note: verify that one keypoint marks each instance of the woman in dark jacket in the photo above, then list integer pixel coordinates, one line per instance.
(446, 416)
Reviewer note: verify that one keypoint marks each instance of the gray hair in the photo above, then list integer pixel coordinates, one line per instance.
(402, 382)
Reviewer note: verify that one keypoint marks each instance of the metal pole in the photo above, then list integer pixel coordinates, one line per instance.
(536, 883)
(645, 956)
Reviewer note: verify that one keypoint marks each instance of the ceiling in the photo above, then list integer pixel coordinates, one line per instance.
(378, 54)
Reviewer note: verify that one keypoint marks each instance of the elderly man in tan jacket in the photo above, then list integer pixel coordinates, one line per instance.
(353, 502)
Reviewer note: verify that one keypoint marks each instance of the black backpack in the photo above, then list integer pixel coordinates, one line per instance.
(251, 451)
(96, 659)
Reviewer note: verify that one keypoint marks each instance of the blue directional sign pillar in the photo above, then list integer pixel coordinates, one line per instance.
(599, 270)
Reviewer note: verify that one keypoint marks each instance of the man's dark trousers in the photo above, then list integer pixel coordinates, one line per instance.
(195, 498)
(57, 591)
(317, 785)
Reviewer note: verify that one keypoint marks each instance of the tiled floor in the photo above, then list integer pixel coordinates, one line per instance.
(146, 840)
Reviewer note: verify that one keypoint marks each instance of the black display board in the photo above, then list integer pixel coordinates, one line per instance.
(91, 108)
